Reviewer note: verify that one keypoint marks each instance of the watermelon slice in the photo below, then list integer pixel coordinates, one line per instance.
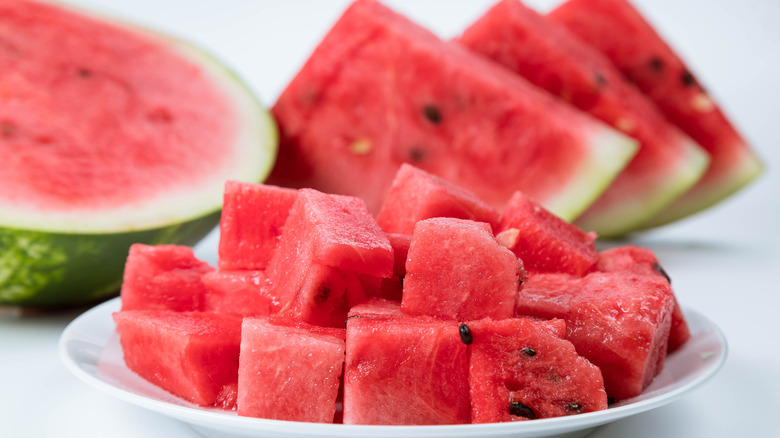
(193, 355)
(287, 372)
(521, 370)
(111, 135)
(405, 371)
(620, 32)
(380, 91)
(455, 269)
(668, 162)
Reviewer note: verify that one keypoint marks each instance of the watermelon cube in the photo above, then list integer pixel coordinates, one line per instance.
(380, 91)
(550, 57)
(330, 247)
(405, 371)
(288, 372)
(239, 292)
(521, 369)
(456, 269)
(643, 261)
(415, 195)
(619, 321)
(193, 355)
(251, 223)
(163, 277)
(543, 241)
(620, 32)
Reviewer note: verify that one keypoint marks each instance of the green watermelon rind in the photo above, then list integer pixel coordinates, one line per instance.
(610, 153)
(49, 262)
(702, 197)
(621, 218)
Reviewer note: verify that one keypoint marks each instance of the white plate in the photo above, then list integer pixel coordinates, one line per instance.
(89, 347)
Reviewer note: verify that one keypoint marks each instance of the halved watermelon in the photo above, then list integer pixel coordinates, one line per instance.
(620, 32)
(549, 56)
(380, 91)
(110, 134)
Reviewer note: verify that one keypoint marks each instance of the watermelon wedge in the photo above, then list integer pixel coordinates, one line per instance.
(668, 162)
(620, 32)
(110, 134)
(380, 91)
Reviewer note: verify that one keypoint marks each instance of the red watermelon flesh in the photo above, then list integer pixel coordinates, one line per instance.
(543, 241)
(376, 308)
(643, 261)
(519, 370)
(415, 195)
(620, 321)
(326, 234)
(193, 355)
(380, 91)
(251, 223)
(622, 34)
(163, 277)
(152, 115)
(238, 292)
(288, 372)
(455, 269)
(392, 288)
(546, 54)
(405, 371)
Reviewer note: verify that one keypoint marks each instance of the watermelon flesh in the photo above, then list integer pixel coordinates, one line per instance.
(287, 372)
(619, 321)
(455, 269)
(238, 292)
(193, 355)
(251, 223)
(546, 54)
(405, 371)
(521, 370)
(415, 195)
(543, 241)
(380, 91)
(163, 277)
(392, 288)
(622, 34)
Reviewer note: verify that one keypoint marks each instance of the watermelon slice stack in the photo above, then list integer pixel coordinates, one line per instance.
(456, 321)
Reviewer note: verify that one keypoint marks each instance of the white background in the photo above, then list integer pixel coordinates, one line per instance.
(724, 262)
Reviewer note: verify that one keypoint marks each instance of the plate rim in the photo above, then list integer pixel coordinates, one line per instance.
(219, 421)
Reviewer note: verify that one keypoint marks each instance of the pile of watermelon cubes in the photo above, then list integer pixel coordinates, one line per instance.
(439, 310)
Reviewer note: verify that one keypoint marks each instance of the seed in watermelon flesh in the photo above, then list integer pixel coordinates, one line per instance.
(643, 261)
(163, 277)
(252, 219)
(622, 34)
(74, 185)
(402, 370)
(415, 195)
(288, 372)
(546, 54)
(508, 384)
(193, 355)
(455, 269)
(373, 79)
(543, 241)
(619, 321)
(238, 292)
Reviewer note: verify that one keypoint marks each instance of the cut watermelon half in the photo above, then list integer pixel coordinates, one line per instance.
(620, 32)
(111, 134)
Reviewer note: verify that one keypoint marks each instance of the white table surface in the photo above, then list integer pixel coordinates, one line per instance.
(723, 262)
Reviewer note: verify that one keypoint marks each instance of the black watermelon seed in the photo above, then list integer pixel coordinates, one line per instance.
(520, 410)
(432, 113)
(323, 295)
(465, 334)
(656, 64)
(657, 266)
(416, 154)
(530, 352)
(601, 81)
(687, 78)
(574, 408)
